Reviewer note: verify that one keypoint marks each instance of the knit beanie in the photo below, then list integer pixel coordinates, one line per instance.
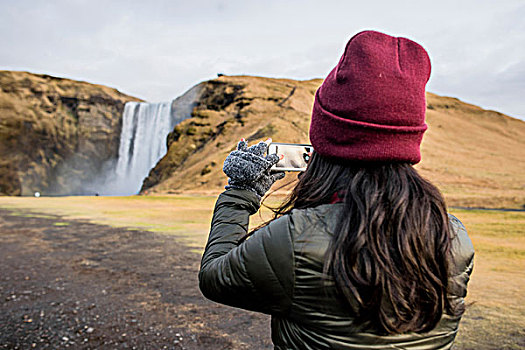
(371, 106)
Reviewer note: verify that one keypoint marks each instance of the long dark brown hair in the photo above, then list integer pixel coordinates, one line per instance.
(391, 246)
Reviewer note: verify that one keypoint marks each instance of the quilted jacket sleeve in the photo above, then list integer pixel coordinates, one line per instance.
(255, 274)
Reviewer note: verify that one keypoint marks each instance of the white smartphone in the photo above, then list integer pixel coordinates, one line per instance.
(296, 156)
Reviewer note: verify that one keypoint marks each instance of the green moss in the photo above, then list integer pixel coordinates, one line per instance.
(264, 132)
(61, 224)
(191, 130)
(207, 168)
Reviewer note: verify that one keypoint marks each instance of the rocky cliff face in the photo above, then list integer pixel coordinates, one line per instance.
(227, 109)
(55, 134)
(475, 156)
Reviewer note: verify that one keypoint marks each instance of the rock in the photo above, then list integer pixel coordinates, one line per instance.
(227, 109)
(55, 133)
(475, 156)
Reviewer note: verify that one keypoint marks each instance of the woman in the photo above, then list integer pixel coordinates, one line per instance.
(362, 254)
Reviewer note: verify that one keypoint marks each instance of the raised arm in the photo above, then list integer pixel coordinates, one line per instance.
(256, 274)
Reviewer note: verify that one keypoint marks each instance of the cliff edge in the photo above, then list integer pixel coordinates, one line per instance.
(55, 133)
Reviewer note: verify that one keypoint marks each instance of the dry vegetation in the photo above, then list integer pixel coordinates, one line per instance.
(54, 132)
(230, 108)
(476, 156)
(494, 320)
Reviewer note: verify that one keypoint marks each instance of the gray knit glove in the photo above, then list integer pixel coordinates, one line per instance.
(247, 168)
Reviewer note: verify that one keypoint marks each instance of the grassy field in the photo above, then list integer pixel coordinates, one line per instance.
(495, 317)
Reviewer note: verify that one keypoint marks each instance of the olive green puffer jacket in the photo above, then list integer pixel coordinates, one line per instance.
(278, 271)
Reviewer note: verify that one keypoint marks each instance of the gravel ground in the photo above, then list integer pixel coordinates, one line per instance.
(72, 284)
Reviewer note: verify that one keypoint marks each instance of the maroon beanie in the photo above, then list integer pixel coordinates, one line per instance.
(371, 107)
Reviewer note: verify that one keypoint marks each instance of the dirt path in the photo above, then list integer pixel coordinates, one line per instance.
(73, 284)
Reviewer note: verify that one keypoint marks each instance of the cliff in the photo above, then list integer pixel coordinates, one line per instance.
(475, 156)
(227, 109)
(55, 133)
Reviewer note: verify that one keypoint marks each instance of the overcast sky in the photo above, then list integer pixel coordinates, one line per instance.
(156, 50)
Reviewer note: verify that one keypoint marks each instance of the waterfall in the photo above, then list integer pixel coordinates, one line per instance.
(145, 127)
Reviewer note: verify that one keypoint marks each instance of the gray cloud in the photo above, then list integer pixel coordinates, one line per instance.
(156, 50)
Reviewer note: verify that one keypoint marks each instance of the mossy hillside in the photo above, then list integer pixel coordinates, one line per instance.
(230, 108)
(54, 132)
(475, 156)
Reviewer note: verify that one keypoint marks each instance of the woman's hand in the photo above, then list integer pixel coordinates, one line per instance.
(248, 168)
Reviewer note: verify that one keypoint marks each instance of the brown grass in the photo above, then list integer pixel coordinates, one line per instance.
(475, 156)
